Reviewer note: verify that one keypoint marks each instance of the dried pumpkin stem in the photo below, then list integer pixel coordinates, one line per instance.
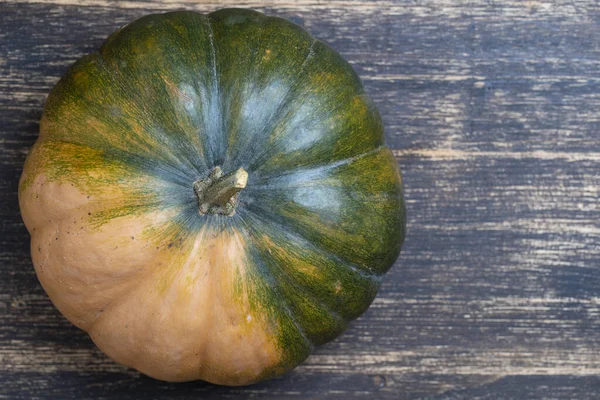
(217, 194)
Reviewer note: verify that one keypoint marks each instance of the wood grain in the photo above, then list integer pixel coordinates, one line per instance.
(491, 109)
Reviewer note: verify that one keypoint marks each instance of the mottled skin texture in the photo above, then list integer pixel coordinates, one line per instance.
(117, 240)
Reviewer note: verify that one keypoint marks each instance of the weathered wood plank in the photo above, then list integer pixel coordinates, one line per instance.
(491, 110)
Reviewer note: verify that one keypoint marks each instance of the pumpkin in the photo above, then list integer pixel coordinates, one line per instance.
(210, 196)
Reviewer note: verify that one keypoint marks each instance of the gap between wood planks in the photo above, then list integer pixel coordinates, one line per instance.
(516, 9)
(451, 154)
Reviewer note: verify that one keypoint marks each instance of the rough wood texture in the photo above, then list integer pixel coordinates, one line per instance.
(491, 107)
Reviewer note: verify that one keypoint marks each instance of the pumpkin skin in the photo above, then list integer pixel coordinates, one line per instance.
(118, 242)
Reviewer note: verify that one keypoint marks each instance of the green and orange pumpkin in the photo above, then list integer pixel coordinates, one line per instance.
(211, 196)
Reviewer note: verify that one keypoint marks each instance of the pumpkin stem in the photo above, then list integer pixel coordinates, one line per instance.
(218, 193)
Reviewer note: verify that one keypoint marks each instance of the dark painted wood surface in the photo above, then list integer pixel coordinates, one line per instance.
(492, 108)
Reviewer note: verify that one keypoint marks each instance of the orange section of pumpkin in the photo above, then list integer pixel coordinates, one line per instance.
(175, 312)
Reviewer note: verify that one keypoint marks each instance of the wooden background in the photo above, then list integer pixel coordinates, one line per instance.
(493, 111)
